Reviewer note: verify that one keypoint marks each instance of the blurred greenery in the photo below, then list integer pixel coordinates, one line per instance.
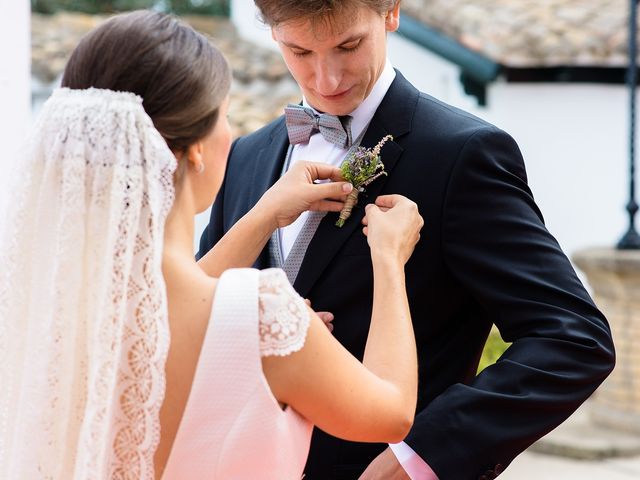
(203, 7)
(494, 347)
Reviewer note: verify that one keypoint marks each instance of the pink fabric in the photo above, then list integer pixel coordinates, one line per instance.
(233, 427)
(413, 464)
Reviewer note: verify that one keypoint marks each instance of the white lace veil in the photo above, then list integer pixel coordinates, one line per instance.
(83, 316)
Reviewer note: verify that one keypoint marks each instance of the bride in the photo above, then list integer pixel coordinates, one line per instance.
(120, 356)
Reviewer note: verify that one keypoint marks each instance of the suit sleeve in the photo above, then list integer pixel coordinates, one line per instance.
(215, 230)
(496, 246)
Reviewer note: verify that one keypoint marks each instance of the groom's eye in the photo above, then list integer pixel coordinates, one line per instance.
(351, 46)
(300, 53)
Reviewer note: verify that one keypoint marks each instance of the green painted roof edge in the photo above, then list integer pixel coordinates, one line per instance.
(480, 68)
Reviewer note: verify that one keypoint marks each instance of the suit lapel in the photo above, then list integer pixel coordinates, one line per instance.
(269, 162)
(265, 171)
(394, 116)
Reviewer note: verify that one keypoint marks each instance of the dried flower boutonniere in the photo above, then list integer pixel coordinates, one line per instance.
(360, 168)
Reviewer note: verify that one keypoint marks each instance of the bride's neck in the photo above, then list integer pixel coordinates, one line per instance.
(179, 228)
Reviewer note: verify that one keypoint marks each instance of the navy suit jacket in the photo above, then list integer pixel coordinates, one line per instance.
(485, 258)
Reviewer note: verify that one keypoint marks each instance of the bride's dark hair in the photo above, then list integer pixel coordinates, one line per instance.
(180, 76)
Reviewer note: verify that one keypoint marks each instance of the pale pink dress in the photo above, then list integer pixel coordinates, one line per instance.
(233, 427)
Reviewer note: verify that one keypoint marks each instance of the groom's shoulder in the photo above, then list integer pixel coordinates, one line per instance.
(437, 124)
(434, 112)
(430, 114)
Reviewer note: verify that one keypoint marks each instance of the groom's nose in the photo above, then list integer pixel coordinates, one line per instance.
(328, 75)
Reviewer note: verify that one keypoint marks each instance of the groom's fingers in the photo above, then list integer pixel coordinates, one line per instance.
(327, 318)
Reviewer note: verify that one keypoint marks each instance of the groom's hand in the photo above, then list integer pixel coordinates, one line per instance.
(326, 317)
(385, 467)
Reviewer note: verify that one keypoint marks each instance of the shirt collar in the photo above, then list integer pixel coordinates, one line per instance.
(365, 111)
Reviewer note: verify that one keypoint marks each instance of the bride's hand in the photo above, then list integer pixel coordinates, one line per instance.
(392, 226)
(296, 192)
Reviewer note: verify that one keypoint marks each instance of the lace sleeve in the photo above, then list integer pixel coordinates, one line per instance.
(284, 317)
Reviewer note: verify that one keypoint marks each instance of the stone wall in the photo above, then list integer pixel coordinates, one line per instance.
(262, 85)
(615, 278)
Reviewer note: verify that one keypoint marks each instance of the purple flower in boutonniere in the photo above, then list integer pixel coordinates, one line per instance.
(360, 168)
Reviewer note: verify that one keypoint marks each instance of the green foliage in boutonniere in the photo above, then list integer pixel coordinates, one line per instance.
(360, 168)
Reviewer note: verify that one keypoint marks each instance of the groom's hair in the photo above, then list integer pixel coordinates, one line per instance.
(180, 76)
(274, 12)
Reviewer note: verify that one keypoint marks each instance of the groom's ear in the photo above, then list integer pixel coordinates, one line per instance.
(392, 18)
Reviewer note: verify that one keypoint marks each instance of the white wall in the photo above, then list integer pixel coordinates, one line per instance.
(15, 86)
(573, 137)
(245, 17)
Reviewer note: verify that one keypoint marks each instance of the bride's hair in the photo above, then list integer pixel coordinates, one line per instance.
(82, 360)
(180, 76)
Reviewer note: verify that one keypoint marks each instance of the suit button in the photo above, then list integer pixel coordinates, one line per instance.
(499, 468)
(483, 477)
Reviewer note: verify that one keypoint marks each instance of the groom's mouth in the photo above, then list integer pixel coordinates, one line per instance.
(336, 96)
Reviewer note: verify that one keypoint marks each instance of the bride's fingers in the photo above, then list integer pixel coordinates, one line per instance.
(322, 171)
(339, 198)
(365, 219)
(330, 190)
(326, 206)
(388, 201)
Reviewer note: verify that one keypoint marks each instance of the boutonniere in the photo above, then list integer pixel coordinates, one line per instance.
(360, 168)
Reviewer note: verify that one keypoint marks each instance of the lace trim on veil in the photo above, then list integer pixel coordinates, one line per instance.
(83, 317)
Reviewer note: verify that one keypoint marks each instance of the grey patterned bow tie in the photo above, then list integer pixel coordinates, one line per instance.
(302, 122)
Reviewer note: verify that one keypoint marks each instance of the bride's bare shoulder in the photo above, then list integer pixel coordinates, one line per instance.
(190, 291)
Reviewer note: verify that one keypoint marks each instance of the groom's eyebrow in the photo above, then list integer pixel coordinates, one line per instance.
(351, 39)
(292, 45)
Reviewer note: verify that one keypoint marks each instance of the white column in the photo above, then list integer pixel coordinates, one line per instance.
(15, 86)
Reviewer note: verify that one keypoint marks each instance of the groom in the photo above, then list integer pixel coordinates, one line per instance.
(485, 257)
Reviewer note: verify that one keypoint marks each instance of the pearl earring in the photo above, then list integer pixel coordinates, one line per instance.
(200, 168)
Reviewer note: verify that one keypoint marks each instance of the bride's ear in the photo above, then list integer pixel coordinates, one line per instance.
(194, 156)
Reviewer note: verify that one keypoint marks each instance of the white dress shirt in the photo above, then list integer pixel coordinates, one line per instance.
(319, 150)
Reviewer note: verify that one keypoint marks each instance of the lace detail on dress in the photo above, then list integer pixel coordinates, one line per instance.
(83, 317)
(284, 317)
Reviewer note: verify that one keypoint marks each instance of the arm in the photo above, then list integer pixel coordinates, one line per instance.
(332, 397)
(293, 194)
(496, 246)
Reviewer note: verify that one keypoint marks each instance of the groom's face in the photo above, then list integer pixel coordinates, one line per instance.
(336, 61)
